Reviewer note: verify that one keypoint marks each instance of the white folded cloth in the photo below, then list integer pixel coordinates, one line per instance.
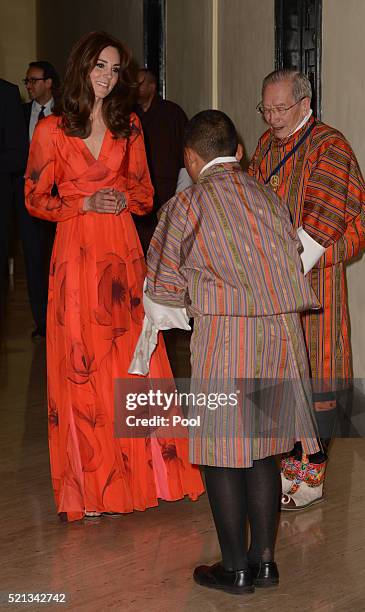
(157, 317)
(313, 251)
(145, 346)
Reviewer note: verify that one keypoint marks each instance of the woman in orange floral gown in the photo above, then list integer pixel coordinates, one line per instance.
(87, 171)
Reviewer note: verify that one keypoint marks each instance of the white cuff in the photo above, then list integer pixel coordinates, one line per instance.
(164, 317)
(144, 348)
(183, 180)
(157, 317)
(313, 251)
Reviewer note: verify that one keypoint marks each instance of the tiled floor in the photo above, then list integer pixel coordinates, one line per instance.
(144, 561)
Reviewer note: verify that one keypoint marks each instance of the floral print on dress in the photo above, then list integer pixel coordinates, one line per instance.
(95, 315)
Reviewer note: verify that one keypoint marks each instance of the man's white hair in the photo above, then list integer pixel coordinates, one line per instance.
(302, 87)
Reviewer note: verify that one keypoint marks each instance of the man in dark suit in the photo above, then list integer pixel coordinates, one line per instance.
(13, 152)
(42, 83)
(163, 124)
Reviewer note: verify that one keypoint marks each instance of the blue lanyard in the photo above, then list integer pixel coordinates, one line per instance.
(288, 155)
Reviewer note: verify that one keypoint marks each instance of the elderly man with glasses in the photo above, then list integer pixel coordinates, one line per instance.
(312, 167)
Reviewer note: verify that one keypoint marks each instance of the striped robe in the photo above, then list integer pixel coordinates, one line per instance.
(226, 250)
(325, 192)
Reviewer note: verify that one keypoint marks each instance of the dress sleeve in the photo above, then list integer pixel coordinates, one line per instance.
(139, 187)
(165, 282)
(41, 196)
(334, 208)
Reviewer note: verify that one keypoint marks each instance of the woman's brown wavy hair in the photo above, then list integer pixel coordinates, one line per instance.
(77, 95)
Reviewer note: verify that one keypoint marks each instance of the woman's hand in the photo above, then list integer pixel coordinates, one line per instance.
(121, 201)
(105, 201)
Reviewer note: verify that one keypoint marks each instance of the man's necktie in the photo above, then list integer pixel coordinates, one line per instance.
(41, 113)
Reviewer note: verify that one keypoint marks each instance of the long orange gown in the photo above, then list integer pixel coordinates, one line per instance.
(94, 319)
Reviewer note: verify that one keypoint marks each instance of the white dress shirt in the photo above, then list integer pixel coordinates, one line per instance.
(36, 109)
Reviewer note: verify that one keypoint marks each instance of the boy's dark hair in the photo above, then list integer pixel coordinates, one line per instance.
(211, 134)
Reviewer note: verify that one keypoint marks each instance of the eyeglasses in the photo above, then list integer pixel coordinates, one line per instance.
(280, 110)
(33, 80)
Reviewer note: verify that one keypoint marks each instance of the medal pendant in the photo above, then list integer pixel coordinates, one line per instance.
(274, 181)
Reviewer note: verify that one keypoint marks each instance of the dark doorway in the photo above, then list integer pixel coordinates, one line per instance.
(298, 38)
(154, 40)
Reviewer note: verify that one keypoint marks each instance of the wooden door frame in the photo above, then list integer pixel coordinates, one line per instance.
(154, 40)
(279, 55)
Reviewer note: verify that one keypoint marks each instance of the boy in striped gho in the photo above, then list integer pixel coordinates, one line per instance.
(225, 249)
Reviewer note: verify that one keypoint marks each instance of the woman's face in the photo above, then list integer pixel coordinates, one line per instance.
(104, 75)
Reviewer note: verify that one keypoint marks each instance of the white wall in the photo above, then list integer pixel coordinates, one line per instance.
(243, 32)
(17, 40)
(343, 90)
(246, 54)
(60, 24)
(189, 54)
